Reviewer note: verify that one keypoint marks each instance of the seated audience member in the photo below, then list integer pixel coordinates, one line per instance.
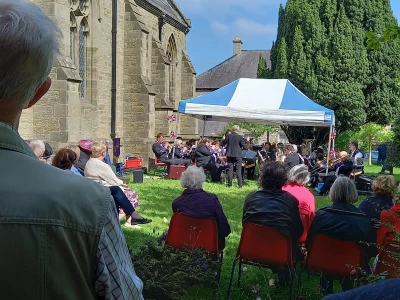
(85, 147)
(206, 160)
(77, 151)
(298, 178)
(342, 221)
(195, 202)
(342, 168)
(389, 225)
(38, 147)
(292, 157)
(382, 290)
(65, 159)
(59, 232)
(273, 207)
(163, 153)
(48, 153)
(97, 170)
(384, 188)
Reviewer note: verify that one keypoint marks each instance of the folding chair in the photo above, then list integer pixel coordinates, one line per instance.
(332, 257)
(158, 164)
(265, 247)
(389, 260)
(194, 233)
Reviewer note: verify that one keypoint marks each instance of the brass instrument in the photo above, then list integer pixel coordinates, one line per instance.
(320, 165)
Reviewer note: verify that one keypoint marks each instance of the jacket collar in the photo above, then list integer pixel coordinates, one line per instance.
(11, 140)
(192, 191)
(345, 208)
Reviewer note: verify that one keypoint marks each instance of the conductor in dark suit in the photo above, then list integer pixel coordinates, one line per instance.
(234, 145)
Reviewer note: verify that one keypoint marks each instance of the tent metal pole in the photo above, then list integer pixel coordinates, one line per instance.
(329, 150)
(204, 126)
(176, 134)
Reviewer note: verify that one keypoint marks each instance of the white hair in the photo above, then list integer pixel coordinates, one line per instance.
(299, 174)
(37, 146)
(29, 40)
(295, 148)
(193, 178)
(236, 128)
(343, 190)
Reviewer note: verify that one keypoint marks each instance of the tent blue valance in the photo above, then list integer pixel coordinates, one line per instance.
(266, 101)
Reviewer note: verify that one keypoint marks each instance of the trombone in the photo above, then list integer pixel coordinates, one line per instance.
(317, 167)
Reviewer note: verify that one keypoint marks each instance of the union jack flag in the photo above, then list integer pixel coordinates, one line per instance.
(171, 118)
(334, 133)
(172, 134)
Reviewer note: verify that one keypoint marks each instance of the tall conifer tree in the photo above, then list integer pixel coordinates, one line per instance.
(321, 47)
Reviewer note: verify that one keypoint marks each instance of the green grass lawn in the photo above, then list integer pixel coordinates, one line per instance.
(156, 196)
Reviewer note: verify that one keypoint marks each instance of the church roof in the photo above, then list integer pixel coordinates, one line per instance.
(171, 9)
(243, 65)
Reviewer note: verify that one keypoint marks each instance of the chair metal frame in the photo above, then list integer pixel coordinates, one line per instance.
(215, 251)
(339, 250)
(248, 260)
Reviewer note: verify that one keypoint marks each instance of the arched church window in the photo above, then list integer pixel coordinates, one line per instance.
(79, 31)
(172, 58)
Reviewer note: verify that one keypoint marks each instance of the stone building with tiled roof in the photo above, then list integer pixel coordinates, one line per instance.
(243, 64)
(152, 69)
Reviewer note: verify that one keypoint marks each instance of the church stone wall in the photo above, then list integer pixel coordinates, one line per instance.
(143, 81)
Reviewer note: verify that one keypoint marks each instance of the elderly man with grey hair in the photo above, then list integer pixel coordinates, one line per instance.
(195, 202)
(60, 229)
(234, 144)
(342, 221)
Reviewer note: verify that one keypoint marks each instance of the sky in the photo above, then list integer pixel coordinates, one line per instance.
(215, 24)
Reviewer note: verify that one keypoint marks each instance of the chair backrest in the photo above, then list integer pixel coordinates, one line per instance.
(193, 233)
(389, 258)
(156, 162)
(334, 257)
(265, 246)
(306, 225)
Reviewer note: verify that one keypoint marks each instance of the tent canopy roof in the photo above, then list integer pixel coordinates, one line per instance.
(266, 101)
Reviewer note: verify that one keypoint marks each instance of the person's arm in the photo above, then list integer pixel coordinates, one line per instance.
(203, 150)
(107, 174)
(115, 276)
(222, 221)
(158, 150)
(297, 223)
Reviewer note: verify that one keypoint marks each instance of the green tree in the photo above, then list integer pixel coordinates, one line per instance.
(321, 48)
(262, 70)
(255, 130)
(370, 133)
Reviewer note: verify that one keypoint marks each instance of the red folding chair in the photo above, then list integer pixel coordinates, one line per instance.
(158, 164)
(389, 259)
(194, 233)
(333, 258)
(265, 247)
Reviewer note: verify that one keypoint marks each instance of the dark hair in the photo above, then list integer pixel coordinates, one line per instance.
(178, 138)
(267, 143)
(354, 143)
(273, 176)
(215, 142)
(204, 140)
(64, 159)
(160, 135)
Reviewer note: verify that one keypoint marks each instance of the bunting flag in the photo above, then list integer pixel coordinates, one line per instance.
(172, 134)
(334, 133)
(171, 118)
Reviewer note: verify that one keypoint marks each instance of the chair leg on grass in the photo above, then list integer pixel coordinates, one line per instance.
(240, 271)
(221, 257)
(231, 279)
(292, 277)
(299, 282)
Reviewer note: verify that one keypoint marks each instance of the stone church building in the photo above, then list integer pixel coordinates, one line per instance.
(153, 72)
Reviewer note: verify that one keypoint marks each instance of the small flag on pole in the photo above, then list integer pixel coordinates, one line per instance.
(334, 133)
(171, 118)
(172, 135)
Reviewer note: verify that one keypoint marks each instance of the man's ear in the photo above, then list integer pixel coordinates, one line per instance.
(43, 89)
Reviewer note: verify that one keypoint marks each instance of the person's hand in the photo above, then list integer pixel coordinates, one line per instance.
(224, 137)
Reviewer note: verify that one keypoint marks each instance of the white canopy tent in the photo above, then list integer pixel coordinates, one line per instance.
(265, 101)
